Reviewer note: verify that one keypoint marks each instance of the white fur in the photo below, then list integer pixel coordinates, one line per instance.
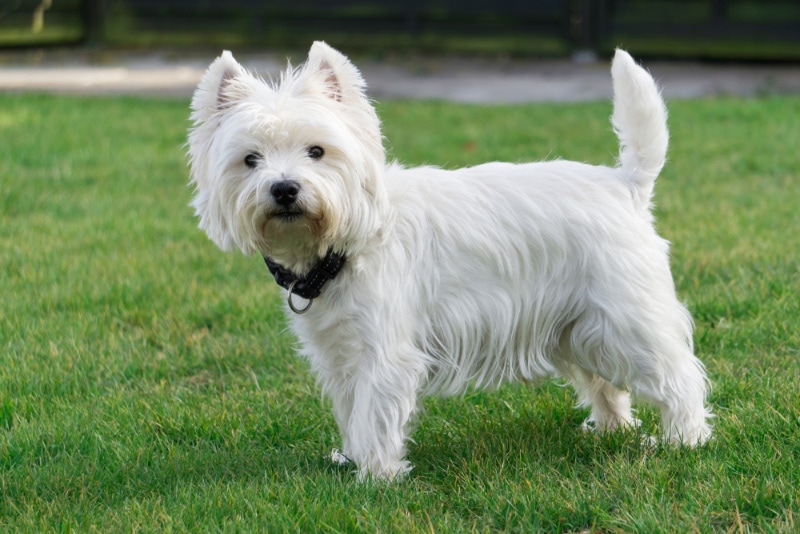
(454, 279)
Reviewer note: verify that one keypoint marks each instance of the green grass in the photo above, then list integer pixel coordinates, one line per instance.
(148, 382)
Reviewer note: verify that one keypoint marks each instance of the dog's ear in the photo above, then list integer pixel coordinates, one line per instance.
(341, 79)
(217, 87)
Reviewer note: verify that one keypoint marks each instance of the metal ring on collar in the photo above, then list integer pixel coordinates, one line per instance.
(298, 311)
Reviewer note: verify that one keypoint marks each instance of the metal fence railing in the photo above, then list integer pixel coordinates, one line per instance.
(584, 24)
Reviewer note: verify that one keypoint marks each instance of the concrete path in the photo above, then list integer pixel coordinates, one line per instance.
(457, 80)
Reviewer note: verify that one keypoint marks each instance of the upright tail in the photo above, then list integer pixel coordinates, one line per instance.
(640, 121)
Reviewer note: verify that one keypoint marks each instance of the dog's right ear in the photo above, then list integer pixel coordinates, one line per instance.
(217, 87)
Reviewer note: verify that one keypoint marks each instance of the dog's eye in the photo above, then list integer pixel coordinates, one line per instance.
(252, 159)
(315, 152)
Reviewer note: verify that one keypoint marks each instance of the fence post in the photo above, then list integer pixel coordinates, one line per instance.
(588, 21)
(93, 13)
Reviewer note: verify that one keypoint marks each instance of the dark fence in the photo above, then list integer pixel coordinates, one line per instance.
(728, 19)
(575, 24)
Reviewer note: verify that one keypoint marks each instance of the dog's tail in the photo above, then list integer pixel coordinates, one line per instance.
(640, 121)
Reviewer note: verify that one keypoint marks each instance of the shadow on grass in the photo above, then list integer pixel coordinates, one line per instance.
(523, 433)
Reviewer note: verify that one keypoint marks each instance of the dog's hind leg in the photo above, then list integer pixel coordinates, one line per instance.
(652, 357)
(679, 391)
(611, 406)
(662, 369)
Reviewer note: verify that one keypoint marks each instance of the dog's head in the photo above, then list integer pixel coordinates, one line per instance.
(289, 168)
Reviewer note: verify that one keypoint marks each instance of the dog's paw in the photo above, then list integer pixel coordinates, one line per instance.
(392, 472)
(691, 438)
(592, 425)
(339, 458)
(589, 425)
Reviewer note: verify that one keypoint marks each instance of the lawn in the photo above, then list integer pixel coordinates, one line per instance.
(148, 381)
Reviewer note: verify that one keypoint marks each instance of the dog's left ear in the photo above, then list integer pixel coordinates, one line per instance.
(340, 78)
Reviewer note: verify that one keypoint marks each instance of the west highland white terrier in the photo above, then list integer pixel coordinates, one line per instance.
(431, 281)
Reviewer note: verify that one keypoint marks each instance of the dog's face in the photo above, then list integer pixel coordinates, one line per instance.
(286, 169)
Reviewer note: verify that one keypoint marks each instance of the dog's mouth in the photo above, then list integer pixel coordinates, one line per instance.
(287, 215)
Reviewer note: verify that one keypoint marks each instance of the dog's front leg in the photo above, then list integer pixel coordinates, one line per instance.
(384, 403)
(342, 401)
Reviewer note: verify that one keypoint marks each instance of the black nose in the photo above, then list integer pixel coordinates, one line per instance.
(285, 192)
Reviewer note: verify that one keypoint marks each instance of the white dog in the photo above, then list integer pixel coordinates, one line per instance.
(428, 281)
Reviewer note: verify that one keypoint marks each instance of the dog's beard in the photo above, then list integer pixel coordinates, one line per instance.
(294, 235)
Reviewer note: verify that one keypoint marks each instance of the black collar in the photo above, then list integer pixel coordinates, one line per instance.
(310, 285)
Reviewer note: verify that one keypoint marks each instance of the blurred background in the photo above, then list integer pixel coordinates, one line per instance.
(751, 30)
